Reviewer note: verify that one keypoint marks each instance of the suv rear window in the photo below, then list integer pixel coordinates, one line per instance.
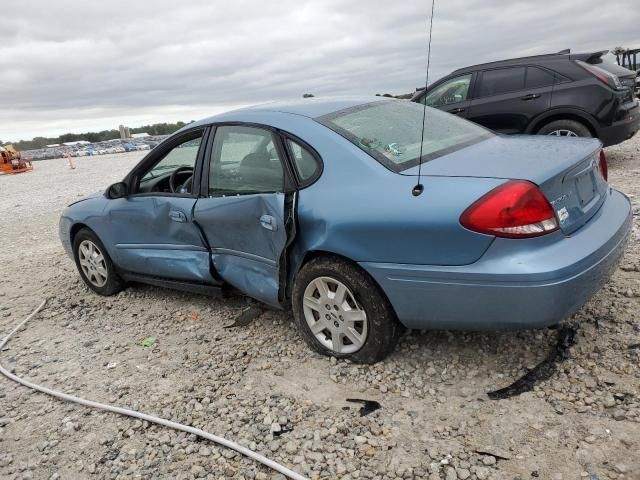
(390, 131)
(501, 80)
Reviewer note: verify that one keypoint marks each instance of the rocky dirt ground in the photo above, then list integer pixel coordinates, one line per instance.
(260, 386)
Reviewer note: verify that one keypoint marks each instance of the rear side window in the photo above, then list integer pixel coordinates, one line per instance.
(244, 161)
(303, 160)
(537, 77)
(502, 80)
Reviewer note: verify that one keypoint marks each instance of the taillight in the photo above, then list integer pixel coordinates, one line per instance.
(515, 209)
(601, 74)
(602, 165)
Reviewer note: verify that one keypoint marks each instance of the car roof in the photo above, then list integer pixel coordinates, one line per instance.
(559, 56)
(308, 107)
(512, 61)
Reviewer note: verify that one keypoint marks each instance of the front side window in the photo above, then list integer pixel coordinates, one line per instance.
(173, 173)
(502, 80)
(244, 160)
(452, 91)
(184, 154)
(391, 131)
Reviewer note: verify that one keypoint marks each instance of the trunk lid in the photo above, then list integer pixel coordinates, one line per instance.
(566, 170)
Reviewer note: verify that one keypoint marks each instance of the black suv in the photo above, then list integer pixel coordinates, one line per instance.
(564, 94)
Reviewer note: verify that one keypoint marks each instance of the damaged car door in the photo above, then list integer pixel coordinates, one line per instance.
(152, 228)
(243, 212)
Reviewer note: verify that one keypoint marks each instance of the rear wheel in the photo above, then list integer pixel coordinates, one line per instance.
(94, 264)
(341, 312)
(565, 128)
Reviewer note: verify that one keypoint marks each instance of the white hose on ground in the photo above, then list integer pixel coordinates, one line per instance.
(142, 416)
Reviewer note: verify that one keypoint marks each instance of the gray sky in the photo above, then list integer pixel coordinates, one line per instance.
(77, 65)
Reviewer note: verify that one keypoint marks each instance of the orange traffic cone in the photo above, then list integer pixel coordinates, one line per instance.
(71, 165)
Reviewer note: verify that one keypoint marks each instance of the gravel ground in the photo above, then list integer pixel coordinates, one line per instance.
(260, 385)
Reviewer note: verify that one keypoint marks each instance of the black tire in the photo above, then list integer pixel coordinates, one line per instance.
(113, 283)
(383, 328)
(577, 128)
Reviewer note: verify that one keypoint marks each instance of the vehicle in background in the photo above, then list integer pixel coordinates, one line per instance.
(562, 94)
(629, 59)
(89, 149)
(311, 205)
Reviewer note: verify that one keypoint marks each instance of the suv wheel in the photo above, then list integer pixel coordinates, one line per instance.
(565, 128)
(341, 312)
(94, 264)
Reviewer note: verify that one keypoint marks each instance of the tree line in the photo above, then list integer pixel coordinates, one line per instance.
(41, 142)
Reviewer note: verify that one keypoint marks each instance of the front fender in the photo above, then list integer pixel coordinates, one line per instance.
(88, 212)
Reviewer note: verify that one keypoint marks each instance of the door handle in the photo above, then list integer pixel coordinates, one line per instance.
(177, 216)
(531, 96)
(268, 222)
(457, 110)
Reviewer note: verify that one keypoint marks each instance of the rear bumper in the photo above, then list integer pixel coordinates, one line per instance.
(517, 283)
(621, 130)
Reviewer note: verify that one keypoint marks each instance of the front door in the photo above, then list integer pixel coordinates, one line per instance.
(451, 96)
(243, 215)
(153, 228)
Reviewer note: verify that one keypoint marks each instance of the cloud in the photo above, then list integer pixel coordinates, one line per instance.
(77, 65)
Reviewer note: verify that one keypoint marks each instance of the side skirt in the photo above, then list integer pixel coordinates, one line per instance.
(184, 286)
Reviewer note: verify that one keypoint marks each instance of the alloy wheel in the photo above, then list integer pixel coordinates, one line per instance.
(563, 133)
(93, 263)
(334, 316)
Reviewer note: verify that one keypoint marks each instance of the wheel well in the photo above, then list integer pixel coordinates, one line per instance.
(566, 116)
(75, 229)
(313, 254)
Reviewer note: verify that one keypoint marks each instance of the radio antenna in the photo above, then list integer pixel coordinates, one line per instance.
(419, 188)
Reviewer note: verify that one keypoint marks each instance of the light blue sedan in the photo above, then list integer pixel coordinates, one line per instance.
(312, 206)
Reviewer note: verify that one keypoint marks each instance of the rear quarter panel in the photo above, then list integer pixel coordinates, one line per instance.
(588, 95)
(380, 220)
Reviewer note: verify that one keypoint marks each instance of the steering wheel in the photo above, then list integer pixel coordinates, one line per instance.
(174, 175)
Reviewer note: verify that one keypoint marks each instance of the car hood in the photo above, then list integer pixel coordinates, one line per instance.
(88, 197)
(525, 157)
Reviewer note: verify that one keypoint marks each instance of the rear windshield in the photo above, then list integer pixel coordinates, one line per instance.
(390, 131)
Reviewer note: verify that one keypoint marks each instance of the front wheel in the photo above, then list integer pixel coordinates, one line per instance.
(94, 264)
(341, 312)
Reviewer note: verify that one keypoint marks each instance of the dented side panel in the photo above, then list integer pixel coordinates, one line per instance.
(148, 240)
(247, 236)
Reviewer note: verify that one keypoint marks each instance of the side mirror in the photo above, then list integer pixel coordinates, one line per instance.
(117, 190)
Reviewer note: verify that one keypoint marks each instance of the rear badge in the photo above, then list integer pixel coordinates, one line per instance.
(563, 214)
(560, 199)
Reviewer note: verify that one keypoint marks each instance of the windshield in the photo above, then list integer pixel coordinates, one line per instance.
(390, 132)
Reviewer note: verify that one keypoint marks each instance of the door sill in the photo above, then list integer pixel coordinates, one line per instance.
(182, 285)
